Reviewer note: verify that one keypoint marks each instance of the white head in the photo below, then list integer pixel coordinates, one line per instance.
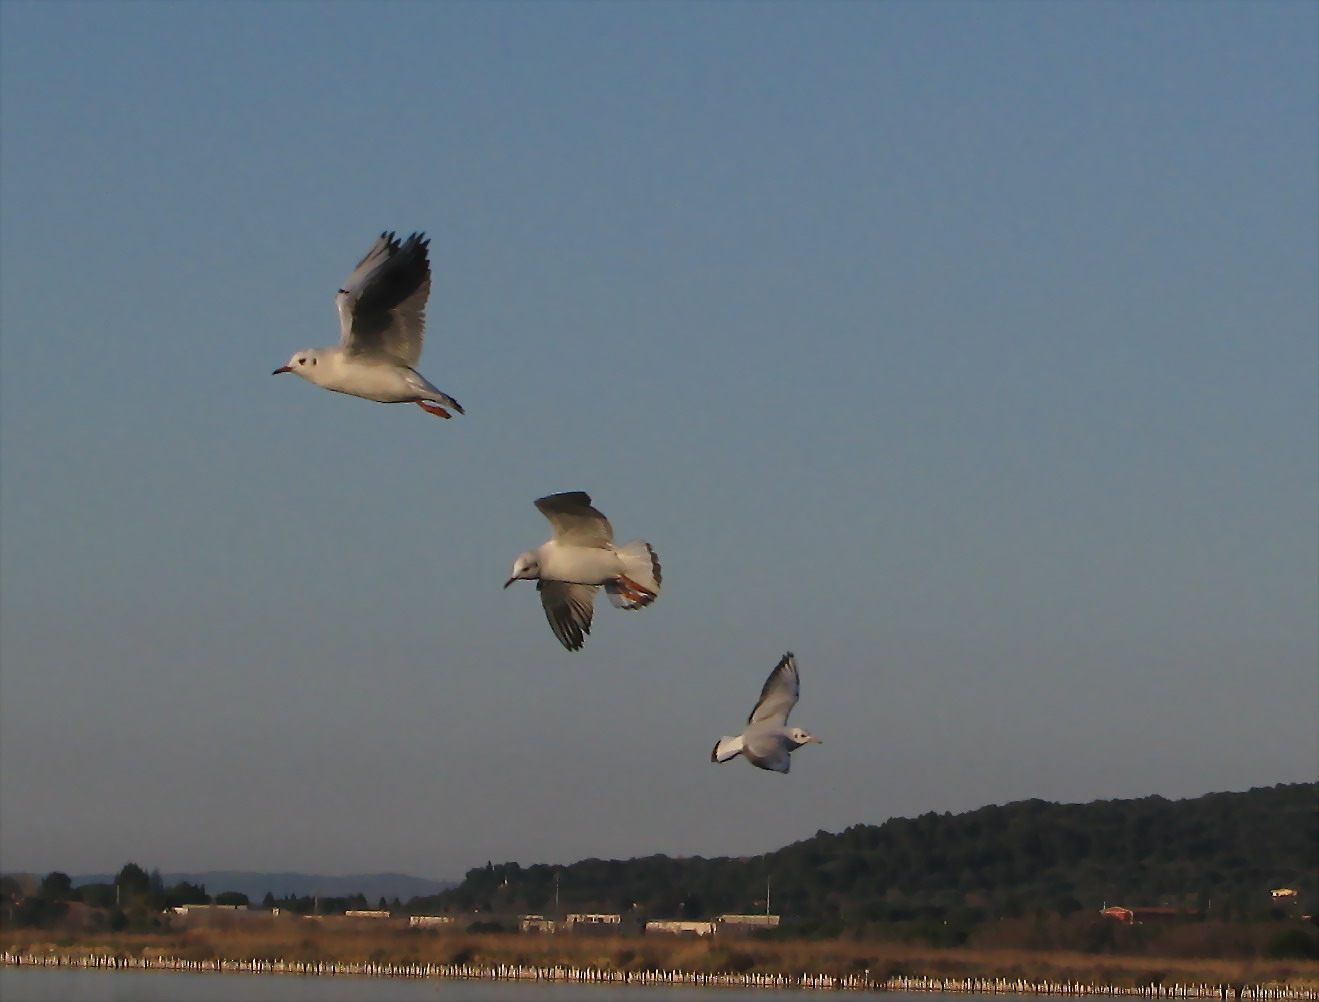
(798, 737)
(525, 566)
(304, 363)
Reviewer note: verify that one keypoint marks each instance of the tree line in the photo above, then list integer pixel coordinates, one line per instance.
(133, 899)
(1216, 857)
(1219, 855)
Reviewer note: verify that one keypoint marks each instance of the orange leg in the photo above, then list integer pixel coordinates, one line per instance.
(634, 592)
(430, 408)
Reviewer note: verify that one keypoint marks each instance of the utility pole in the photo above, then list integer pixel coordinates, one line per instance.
(768, 880)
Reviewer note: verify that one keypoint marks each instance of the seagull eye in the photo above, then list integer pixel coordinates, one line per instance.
(302, 361)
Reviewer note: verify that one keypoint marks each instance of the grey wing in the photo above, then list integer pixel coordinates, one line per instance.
(382, 306)
(768, 750)
(779, 695)
(575, 521)
(569, 608)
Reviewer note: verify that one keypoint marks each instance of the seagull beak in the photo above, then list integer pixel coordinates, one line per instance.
(815, 739)
(282, 368)
(509, 582)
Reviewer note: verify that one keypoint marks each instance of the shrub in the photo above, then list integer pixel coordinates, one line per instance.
(1292, 944)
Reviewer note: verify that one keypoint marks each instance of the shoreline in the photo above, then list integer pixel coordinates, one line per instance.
(592, 975)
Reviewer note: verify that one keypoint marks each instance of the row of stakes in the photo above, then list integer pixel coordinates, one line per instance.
(509, 972)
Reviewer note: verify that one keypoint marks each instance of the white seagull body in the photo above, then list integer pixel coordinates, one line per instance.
(768, 741)
(382, 321)
(581, 556)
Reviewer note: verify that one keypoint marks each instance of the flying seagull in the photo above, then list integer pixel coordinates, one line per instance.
(577, 560)
(768, 741)
(382, 318)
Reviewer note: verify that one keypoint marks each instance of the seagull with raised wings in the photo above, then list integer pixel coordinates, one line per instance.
(768, 741)
(382, 320)
(580, 557)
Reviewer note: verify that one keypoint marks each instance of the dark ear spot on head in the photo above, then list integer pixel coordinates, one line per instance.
(313, 361)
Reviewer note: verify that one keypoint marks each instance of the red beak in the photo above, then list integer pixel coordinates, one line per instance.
(509, 582)
(282, 368)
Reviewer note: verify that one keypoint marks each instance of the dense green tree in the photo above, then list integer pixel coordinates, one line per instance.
(56, 886)
(132, 881)
(184, 893)
(232, 898)
(1293, 944)
(97, 895)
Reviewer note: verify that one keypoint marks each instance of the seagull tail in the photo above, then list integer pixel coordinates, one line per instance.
(726, 748)
(444, 400)
(639, 583)
(426, 390)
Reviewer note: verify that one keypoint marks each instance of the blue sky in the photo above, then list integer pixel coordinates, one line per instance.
(967, 350)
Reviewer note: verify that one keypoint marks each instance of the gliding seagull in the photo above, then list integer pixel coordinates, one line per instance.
(768, 740)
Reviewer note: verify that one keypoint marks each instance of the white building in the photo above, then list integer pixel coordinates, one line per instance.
(750, 921)
(679, 928)
(429, 921)
(536, 923)
(203, 909)
(589, 918)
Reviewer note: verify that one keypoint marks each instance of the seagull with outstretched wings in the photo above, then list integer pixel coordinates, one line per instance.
(580, 557)
(768, 741)
(382, 321)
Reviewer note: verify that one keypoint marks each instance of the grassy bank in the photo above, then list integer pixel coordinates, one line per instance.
(297, 941)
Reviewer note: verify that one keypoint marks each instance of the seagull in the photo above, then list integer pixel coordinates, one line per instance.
(577, 560)
(768, 740)
(382, 318)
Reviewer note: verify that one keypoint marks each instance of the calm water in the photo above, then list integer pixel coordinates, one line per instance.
(62, 984)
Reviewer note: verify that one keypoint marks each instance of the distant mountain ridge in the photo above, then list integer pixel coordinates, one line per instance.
(372, 886)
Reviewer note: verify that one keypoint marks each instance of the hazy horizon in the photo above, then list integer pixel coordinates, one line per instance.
(967, 350)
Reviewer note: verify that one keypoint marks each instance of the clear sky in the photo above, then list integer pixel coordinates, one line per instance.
(966, 349)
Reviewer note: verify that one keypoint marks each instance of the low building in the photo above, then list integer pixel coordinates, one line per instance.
(214, 916)
(679, 928)
(536, 923)
(592, 918)
(749, 921)
(189, 909)
(368, 913)
(430, 921)
(601, 924)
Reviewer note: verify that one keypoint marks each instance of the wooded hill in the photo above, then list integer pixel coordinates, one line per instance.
(1224, 852)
